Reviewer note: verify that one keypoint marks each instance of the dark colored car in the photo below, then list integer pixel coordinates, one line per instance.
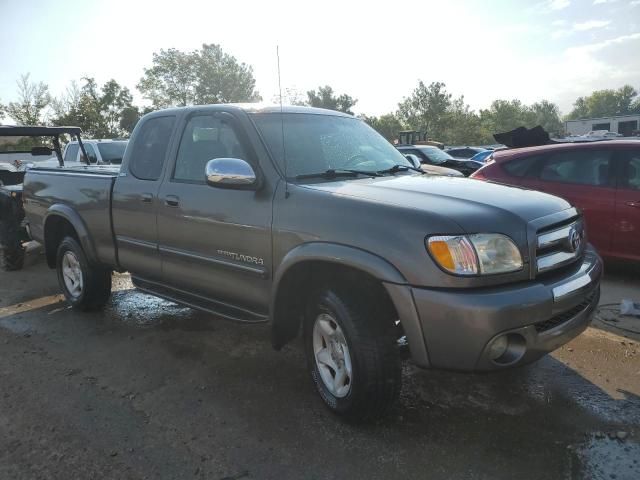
(464, 152)
(435, 156)
(601, 178)
(312, 222)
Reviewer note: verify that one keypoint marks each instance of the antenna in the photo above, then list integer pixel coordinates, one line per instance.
(284, 148)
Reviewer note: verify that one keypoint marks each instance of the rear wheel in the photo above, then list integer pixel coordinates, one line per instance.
(11, 248)
(86, 287)
(352, 353)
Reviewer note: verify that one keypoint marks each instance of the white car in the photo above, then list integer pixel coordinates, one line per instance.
(602, 134)
(100, 152)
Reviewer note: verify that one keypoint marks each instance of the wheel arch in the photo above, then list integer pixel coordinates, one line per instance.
(314, 262)
(59, 222)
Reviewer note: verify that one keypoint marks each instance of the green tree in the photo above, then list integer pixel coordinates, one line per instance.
(387, 125)
(326, 98)
(606, 103)
(505, 115)
(463, 126)
(33, 100)
(207, 75)
(101, 112)
(547, 114)
(427, 109)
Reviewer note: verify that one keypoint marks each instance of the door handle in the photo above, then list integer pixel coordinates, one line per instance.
(146, 197)
(171, 201)
(634, 204)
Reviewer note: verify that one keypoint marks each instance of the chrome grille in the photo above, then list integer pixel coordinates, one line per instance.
(559, 246)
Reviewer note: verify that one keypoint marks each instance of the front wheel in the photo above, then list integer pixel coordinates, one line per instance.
(86, 287)
(352, 354)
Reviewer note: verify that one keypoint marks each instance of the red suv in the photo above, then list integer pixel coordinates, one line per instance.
(601, 178)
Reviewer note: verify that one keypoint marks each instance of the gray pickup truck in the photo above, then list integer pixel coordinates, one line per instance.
(311, 221)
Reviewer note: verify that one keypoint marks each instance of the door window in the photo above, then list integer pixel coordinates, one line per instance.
(521, 167)
(205, 138)
(71, 154)
(582, 167)
(149, 148)
(631, 170)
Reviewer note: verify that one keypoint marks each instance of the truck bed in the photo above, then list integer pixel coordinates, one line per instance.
(84, 189)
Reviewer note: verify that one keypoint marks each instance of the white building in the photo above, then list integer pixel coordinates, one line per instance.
(624, 124)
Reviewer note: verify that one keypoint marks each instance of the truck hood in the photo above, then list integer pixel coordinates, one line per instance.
(470, 203)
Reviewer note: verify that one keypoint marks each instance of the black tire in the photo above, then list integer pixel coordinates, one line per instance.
(96, 281)
(11, 249)
(371, 337)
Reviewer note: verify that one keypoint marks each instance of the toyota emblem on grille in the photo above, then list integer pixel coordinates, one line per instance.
(575, 239)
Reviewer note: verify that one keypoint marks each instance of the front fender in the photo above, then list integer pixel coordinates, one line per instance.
(76, 221)
(343, 255)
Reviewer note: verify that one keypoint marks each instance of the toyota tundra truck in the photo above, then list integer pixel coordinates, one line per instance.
(309, 220)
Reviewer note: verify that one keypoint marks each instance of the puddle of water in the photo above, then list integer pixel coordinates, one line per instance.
(138, 309)
(606, 459)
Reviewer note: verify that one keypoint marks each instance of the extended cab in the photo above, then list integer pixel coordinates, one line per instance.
(311, 221)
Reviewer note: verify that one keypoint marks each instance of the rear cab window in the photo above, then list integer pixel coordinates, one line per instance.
(149, 148)
(91, 153)
(71, 153)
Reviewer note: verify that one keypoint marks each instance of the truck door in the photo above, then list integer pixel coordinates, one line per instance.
(626, 236)
(214, 242)
(135, 198)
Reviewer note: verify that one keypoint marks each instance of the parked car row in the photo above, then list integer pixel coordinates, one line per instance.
(431, 155)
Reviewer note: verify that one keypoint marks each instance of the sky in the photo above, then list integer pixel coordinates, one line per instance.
(375, 51)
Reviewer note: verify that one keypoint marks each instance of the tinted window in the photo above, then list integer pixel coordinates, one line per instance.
(462, 153)
(583, 167)
(631, 170)
(91, 153)
(71, 154)
(149, 148)
(204, 139)
(521, 166)
(112, 152)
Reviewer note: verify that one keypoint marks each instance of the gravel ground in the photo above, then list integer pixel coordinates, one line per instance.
(148, 389)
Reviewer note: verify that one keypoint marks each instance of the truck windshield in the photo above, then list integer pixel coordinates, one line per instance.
(112, 152)
(317, 143)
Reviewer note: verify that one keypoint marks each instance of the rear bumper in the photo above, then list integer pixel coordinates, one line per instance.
(455, 328)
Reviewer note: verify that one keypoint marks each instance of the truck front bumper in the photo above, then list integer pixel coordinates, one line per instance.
(460, 330)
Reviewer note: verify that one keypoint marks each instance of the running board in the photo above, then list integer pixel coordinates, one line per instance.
(197, 302)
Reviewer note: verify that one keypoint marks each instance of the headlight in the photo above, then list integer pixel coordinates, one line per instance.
(484, 253)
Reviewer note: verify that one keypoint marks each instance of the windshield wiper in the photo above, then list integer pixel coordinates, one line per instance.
(400, 168)
(340, 172)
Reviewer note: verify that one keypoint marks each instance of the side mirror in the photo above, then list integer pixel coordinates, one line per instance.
(230, 173)
(415, 161)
